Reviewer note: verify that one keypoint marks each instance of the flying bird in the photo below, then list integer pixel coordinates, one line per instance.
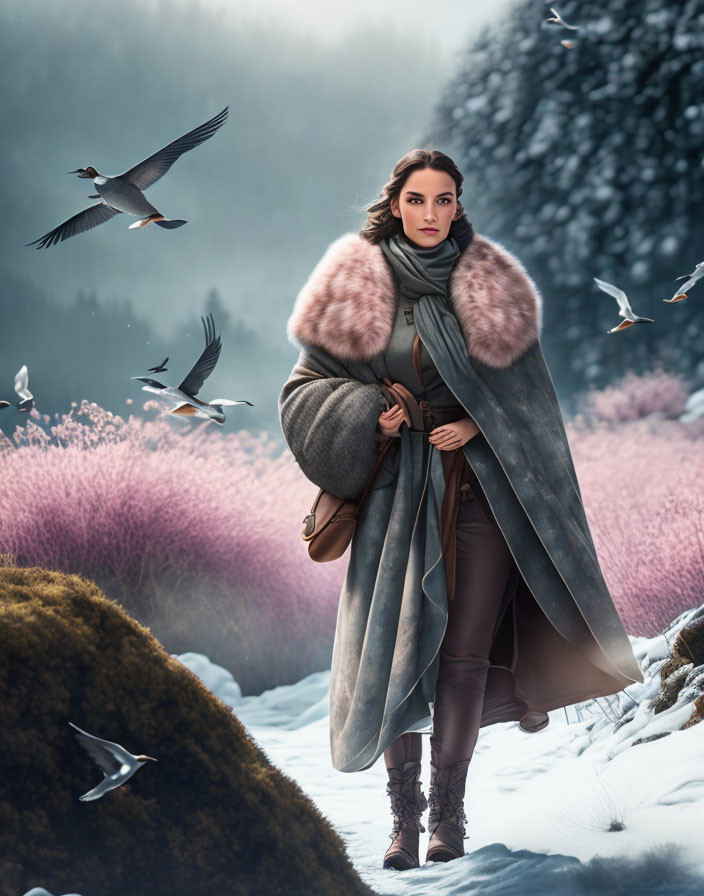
(558, 20)
(159, 368)
(124, 192)
(691, 279)
(182, 400)
(625, 310)
(27, 402)
(116, 763)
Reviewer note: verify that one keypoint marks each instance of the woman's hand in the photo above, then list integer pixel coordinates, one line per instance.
(390, 420)
(453, 435)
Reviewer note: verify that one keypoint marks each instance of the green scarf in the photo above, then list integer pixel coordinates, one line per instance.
(420, 271)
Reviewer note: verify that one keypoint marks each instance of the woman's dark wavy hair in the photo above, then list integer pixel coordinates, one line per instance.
(381, 223)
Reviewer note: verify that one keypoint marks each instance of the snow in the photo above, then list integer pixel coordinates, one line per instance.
(476, 103)
(669, 245)
(577, 807)
(694, 408)
(40, 891)
(218, 680)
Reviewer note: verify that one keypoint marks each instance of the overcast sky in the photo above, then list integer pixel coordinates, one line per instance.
(290, 72)
(442, 23)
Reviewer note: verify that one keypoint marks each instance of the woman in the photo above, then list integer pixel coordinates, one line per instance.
(473, 593)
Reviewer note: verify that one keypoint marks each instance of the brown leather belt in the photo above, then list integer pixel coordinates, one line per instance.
(419, 415)
(438, 416)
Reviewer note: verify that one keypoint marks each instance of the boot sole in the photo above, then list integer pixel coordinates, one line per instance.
(399, 861)
(442, 855)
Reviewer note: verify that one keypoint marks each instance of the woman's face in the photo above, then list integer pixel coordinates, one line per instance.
(427, 206)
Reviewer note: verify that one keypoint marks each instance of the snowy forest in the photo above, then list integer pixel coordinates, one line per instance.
(587, 162)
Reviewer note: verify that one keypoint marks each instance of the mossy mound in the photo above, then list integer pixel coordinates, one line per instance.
(670, 688)
(688, 648)
(212, 816)
(689, 643)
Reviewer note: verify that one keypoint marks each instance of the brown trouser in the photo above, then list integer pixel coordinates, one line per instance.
(482, 565)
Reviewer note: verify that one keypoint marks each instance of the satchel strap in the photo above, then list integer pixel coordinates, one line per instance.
(382, 451)
(397, 393)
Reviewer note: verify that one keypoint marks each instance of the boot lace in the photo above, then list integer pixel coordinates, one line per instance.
(445, 806)
(406, 807)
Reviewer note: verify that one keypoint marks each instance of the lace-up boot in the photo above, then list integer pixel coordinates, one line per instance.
(446, 820)
(407, 805)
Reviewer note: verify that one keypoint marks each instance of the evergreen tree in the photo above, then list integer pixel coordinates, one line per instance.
(587, 162)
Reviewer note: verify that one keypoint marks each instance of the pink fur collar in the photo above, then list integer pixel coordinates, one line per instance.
(347, 306)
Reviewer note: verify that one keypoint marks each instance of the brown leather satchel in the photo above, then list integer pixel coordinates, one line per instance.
(330, 525)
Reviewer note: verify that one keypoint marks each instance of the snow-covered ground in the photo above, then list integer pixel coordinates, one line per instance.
(575, 808)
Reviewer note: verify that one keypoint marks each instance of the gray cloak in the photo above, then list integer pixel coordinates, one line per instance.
(558, 639)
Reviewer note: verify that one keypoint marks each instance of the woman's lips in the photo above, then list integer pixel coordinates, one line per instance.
(429, 230)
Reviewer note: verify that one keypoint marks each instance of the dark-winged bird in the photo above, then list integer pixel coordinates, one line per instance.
(161, 367)
(124, 192)
(182, 400)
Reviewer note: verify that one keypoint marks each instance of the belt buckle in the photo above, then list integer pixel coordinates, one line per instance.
(428, 416)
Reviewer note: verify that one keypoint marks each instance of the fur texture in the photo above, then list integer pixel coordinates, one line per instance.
(347, 305)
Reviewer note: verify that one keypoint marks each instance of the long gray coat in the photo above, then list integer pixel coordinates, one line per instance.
(560, 639)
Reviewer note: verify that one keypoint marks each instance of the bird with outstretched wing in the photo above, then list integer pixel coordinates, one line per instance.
(181, 400)
(124, 192)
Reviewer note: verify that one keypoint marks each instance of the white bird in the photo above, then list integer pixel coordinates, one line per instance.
(27, 402)
(568, 44)
(124, 192)
(691, 279)
(116, 763)
(625, 310)
(182, 400)
(40, 891)
(558, 20)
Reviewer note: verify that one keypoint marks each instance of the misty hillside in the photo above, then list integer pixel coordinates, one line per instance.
(90, 349)
(312, 133)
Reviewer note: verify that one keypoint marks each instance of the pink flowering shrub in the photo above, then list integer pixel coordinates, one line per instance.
(641, 478)
(636, 396)
(195, 532)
